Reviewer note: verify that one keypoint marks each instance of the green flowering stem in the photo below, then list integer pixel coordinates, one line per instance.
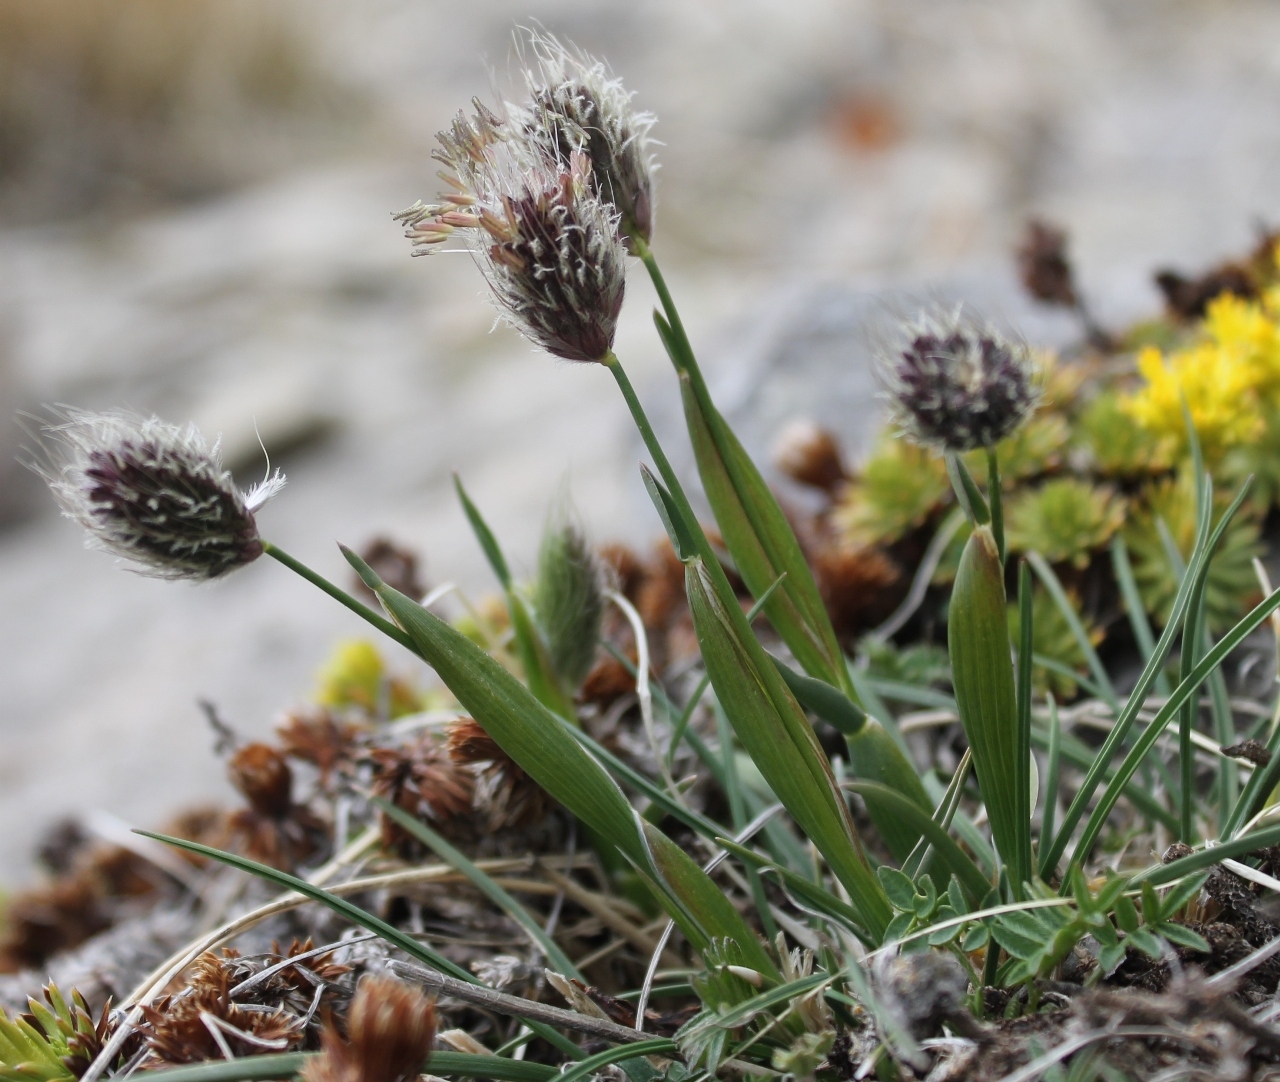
(338, 594)
(769, 722)
(995, 501)
(757, 533)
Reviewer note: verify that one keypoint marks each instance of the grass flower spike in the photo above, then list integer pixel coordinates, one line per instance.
(576, 107)
(548, 246)
(155, 494)
(956, 384)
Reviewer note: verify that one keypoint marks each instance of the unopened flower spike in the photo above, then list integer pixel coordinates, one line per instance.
(956, 384)
(154, 494)
(575, 105)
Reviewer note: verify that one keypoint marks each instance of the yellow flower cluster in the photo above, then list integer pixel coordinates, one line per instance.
(1227, 377)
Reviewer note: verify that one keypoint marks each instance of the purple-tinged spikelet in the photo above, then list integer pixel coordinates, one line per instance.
(548, 246)
(154, 494)
(955, 383)
(575, 106)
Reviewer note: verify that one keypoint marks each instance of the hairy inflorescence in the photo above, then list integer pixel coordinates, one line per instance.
(956, 384)
(153, 493)
(576, 106)
(548, 245)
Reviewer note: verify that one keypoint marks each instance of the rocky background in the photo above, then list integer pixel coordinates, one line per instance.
(194, 220)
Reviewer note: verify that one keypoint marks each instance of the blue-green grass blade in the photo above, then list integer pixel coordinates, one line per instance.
(809, 892)
(1060, 599)
(1122, 568)
(955, 859)
(658, 1046)
(1187, 688)
(1100, 764)
(1160, 874)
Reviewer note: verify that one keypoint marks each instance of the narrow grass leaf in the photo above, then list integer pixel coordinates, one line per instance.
(951, 855)
(759, 537)
(483, 882)
(535, 659)
(669, 513)
(1024, 701)
(246, 1069)
(982, 674)
(1100, 764)
(591, 1065)
(1060, 599)
(967, 492)
(289, 1064)
(1187, 688)
(821, 698)
(942, 815)
(1137, 612)
(774, 731)
(488, 543)
(1208, 857)
(706, 901)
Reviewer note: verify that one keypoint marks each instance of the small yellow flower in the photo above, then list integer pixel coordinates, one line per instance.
(1227, 377)
(356, 676)
(1220, 393)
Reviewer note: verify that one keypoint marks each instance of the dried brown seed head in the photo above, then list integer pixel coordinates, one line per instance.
(1043, 265)
(424, 780)
(391, 1027)
(263, 777)
(203, 1022)
(809, 454)
(313, 735)
(504, 793)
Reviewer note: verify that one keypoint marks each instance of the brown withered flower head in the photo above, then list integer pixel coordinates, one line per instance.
(547, 244)
(203, 1022)
(424, 780)
(390, 1030)
(314, 735)
(394, 564)
(954, 383)
(576, 106)
(504, 793)
(810, 455)
(313, 983)
(154, 494)
(272, 829)
(1043, 265)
